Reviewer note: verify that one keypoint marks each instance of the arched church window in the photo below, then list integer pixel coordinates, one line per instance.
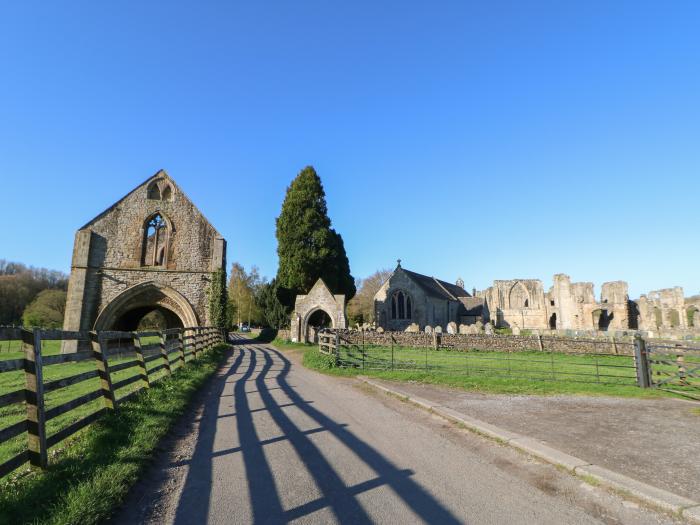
(156, 242)
(400, 305)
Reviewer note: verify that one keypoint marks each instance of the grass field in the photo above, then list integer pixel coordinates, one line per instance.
(96, 467)
(15, 380)
(540, 373)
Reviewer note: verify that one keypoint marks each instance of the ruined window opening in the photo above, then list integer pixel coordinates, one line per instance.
(527, 303)
(166, 194)
(156, 241)
(154, 192)
(159, 190)
(551, 303)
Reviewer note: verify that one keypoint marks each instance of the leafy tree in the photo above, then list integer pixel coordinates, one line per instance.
(19, 285)
(217, 299)
(46, 310)
(153, 320)
(307, 246)
(274, 313)
(361, 307)
(242, 289)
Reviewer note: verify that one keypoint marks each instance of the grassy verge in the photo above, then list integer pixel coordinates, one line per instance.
(93, 471)
(473, 382)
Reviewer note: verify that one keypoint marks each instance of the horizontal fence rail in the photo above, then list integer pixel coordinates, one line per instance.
(122, 362)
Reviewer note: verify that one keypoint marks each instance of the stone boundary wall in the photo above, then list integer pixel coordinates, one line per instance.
(503, 343)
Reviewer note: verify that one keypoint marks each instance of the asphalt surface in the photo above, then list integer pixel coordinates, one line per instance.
(272, 442)
(652, 440)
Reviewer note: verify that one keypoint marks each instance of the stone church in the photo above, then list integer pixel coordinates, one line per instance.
(151, 250)
(408, 298)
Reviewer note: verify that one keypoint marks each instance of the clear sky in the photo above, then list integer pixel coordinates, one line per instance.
(483, 140)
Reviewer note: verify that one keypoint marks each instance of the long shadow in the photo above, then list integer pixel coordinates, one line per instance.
(345, 507)
(264, 498)
(413, 495)
(196, 492)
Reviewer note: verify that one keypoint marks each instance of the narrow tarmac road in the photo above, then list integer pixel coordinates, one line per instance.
(273, 442)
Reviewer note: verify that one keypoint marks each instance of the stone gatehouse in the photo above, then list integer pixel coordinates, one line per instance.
(151, 250)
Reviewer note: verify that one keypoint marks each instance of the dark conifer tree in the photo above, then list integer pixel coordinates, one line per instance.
(307, 246)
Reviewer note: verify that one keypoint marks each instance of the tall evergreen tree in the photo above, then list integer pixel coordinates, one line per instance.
(307, 246)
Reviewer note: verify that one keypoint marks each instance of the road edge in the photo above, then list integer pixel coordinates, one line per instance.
(624, 485)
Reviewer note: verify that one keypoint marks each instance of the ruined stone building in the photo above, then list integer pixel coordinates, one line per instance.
(666, 308)
(523, 303)
(151, 250)
(408, 298)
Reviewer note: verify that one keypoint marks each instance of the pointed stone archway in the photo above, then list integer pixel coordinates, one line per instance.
(124, 312)
(318, 299)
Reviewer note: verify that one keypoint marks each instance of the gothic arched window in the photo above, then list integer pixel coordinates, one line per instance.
(156, 242)
(400, 306)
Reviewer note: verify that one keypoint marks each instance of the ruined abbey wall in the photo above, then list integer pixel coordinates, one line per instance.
(523, 304)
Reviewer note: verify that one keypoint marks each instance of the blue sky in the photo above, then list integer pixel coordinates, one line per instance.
(482, 140)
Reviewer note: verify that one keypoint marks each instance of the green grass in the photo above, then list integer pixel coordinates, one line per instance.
(484, 380)
(94, 470)
(15, 380)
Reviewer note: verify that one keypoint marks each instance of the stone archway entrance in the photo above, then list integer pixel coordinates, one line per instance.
(311, 310)
(314, 322)
(128, 308)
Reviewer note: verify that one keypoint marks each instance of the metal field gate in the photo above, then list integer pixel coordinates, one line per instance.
(674, 366)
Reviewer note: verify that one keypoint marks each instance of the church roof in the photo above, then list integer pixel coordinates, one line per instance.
(436, 287)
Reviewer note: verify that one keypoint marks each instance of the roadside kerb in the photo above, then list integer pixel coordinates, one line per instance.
(687, 508)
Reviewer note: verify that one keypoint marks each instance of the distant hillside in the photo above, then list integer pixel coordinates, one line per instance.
(20, 284)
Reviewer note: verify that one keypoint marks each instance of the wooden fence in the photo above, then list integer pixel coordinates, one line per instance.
(173, 348)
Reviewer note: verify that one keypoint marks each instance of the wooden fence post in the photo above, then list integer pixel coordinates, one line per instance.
(99, 352)
(641, 362)
(139, 357)
(181, 344)
(164, 352)
(34, 394)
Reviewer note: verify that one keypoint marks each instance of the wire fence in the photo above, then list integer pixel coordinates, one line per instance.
(645, 363)
(544, 366)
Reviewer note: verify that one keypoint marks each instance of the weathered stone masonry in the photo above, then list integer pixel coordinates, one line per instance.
(153, 249)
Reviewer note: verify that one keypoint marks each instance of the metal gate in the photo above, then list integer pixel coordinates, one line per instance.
(674, 366)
